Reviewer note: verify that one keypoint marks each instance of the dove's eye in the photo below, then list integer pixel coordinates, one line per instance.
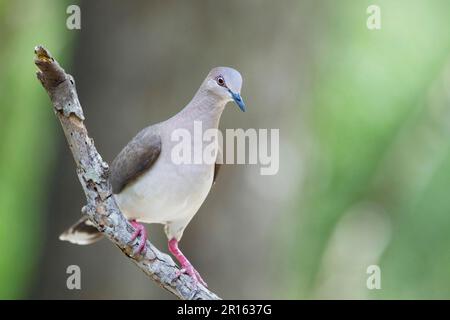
(220, 81)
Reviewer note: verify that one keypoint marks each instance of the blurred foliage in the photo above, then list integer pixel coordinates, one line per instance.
(377, 166)
(27, 130)
(374, 138)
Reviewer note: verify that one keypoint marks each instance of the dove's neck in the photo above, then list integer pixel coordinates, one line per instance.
(204, 107)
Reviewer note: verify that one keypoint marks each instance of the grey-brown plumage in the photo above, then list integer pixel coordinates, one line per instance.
(216, 170)
(136, 158)
(81, 232)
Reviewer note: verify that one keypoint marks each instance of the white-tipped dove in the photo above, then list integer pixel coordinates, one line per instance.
(150, 187)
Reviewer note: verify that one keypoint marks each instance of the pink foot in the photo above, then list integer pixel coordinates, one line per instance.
(139, 231)
(186, 266)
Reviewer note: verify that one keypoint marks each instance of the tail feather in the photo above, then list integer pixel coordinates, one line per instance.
(82, 232)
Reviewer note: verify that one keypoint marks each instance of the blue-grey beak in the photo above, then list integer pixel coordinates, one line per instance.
(237, 98)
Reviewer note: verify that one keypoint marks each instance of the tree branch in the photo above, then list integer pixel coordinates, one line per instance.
(93, 174)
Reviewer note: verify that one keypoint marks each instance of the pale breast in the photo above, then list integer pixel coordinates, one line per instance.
(167, 192)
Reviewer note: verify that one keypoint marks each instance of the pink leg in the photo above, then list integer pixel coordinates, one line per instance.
(139, 231)
(186, 266)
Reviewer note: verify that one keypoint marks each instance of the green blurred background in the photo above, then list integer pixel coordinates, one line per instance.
(364, 122)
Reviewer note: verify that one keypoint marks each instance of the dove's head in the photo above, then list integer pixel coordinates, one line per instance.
(226, 84)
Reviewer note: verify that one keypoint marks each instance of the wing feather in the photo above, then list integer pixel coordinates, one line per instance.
(137, 157)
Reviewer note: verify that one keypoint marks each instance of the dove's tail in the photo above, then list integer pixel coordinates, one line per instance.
(82, 232)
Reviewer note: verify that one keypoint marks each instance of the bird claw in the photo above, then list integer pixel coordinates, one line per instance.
(141, 232)
(186, 266)
(189, 270)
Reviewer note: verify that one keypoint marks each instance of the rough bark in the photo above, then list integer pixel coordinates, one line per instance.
(93, 174)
